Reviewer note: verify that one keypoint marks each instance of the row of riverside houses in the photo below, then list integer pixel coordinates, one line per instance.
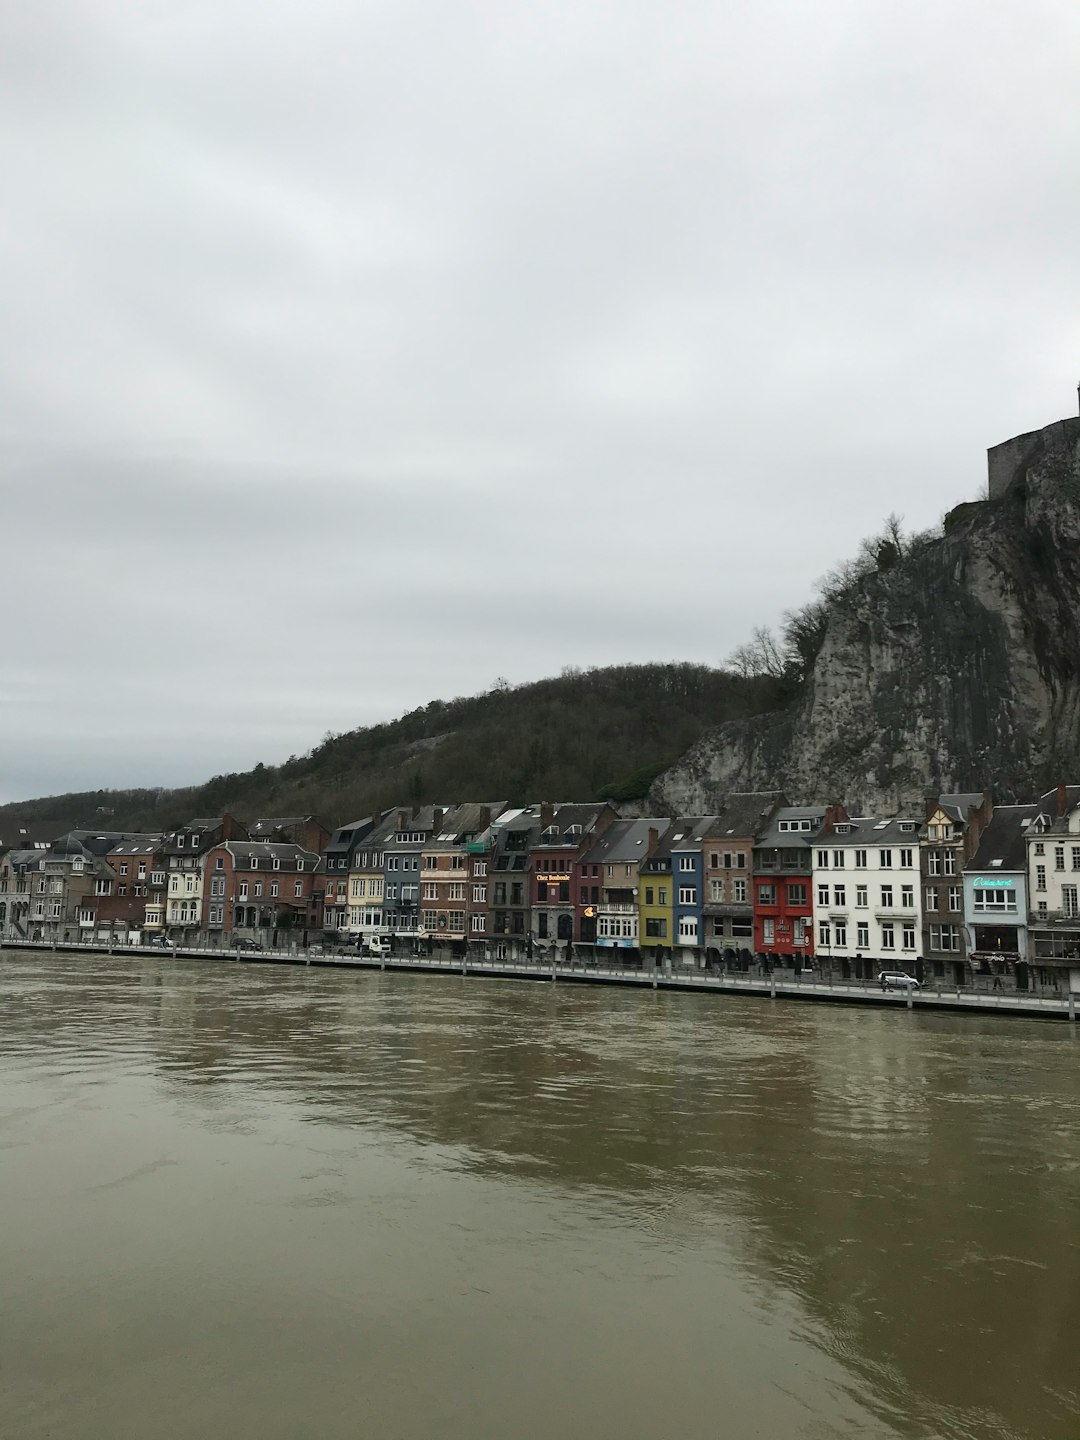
(966, 889)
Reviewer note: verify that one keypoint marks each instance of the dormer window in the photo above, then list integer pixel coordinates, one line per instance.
(299, 864)
(277, 863)
(254, 862)
(180, 841)
(219, 863)
(195, 841)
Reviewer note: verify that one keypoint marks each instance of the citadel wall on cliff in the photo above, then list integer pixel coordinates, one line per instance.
(957, 669)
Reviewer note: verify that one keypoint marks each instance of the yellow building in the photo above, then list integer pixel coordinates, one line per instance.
(656, 908)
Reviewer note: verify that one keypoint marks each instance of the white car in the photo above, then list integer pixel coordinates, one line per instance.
(897, 980)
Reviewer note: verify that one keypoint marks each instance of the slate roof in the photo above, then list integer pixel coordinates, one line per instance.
(779, 839)
(1003, 843)
(242, 852)
(959, 805)
(873, 830)
(624, 842)
(746, 813)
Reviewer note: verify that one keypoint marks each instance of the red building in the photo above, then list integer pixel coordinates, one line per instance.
(260, 887)
(783, 872)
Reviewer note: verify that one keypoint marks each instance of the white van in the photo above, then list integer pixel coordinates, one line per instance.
(897, 980)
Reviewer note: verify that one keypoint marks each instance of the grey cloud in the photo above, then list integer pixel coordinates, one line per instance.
(464, 340)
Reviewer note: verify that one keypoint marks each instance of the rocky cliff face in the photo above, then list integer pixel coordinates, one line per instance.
(959, 669)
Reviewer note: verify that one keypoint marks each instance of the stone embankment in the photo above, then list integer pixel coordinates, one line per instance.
(770, 987)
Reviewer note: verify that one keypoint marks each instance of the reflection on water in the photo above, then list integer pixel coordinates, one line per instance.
(276, 1203)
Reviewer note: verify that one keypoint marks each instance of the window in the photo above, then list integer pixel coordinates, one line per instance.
(862, 935)
(907, 896)
(907, 938)
(655, 929)
(686, 862)
(824, 934)
(860, 859)
(839, 896)
(1001, 900)
(933, 862)
(906, 859)
(888, 937)
(716, 890)
(480, 868)
(823, 894)
(457, 921)
(840, 937)
(688, 929)
(298, 889)
(949, 860)
(766, 932)
(886, 897)
(254, 862)
(479, 924)
(738, 891)
(1069, 901)
(479, 894)
(687, 895)
(956, 898)
(838, 859)
(179, 842)
(799, 933)
(740, 860)
(796, 894)
(930, 898)
(243, 889)
(860, 897)
(823, 859)
(274, 889)
(457, 892)
(714, 860)
(195, 841)
(766, 894)
(393, 862)
(430, 891)
(277, 863)
(1059, 857)
(123, 867)
(121, 890)
(661, 895)
(1040, 848)
(1040, 877)
(944, 937)
(1076, 857)
(885, 859)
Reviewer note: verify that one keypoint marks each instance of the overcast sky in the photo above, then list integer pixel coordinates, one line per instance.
(359, 353)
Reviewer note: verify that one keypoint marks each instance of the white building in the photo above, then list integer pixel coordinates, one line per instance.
(1053, 861)
(867, 906)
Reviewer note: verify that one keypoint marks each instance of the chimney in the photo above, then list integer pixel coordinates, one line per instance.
(654, 839)
(1062, 798)
(436, 820)
(547, 815)
(484, 821)
(228, 826)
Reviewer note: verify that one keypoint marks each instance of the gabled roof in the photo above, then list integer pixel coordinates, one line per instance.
(1003, 843)
(746, 813)
(624, 842)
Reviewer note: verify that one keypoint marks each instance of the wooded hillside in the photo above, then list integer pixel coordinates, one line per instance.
(585, 735)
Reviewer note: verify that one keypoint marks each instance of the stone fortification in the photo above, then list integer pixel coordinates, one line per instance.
(957, 669)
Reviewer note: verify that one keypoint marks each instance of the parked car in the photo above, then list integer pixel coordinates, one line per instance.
(246, 945)
(897, 980)
(162, 942)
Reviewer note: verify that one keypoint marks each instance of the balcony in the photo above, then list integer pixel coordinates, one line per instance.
(615, 907)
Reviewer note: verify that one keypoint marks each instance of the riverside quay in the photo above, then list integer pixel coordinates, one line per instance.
(967, 895)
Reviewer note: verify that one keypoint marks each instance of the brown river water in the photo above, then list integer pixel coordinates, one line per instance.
(282, 1204)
